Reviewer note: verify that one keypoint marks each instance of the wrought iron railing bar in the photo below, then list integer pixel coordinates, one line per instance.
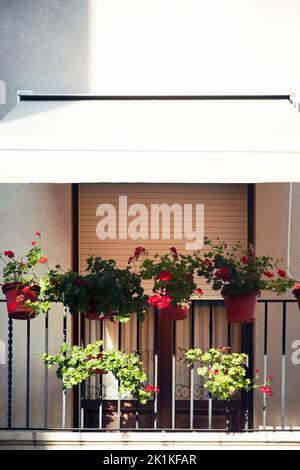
(155, 349)
(210, 346)
(64, 392)
(28, 375)
(192, 370)
(101, 382)
(265, 363)
(138, 354)
(119, 398)
(283, 365)
(173, 374)
(82, 386)
(228, 408)
(46, 376)
(9, 372)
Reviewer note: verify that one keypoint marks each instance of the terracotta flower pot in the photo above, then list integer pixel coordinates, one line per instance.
(296, 293)
(174, 312)
(94, 370)
(240, 308)
(16, 296)
(93, 314)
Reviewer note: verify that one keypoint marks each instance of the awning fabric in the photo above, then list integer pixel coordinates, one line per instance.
(168, 141)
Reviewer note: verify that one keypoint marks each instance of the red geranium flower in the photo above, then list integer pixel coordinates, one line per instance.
(270, 378)
(174, 251)
(38, 234)
(152, 389)
(268, 274)
(224, 349)
(198, 291)
(153, 299)
(138, 252)
(244, 260)
(164, 301)
(266, 389)
(79, 282)
(281, 273)
(223, 274)
(33, 243)
(216, 372)
(257, 371)
(43, 260)
(9, 254)
(164, 276)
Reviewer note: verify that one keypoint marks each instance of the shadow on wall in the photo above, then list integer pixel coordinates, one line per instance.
(44, 48)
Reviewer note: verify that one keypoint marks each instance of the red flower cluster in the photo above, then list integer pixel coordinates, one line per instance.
(174, 251)
(223, 274)
(266, 389)
(160, 300)
(9, 254)
(164, 276)
(79, 282)
(152, 389)
(198, 291)
(224, 349)
(244, 260)
(33, 243)
(268, 274)
(208, 263)
(43, 260)
(216, 372)
(281, 273)
(38, 234)
(137, 253)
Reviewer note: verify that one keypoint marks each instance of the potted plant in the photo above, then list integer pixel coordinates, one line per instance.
(76, 364)
(103, 291)
(296, 292)
(225, 373)
(21, 285)
(173, 275)
(241, 276)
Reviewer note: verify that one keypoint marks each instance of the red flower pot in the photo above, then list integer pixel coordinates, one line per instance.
(93, 314)
(94, 370)
(174, 312)
(240, 308)
(16, 295)
(296, 293)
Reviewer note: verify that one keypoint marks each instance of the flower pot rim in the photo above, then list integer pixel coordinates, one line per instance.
(14, 285)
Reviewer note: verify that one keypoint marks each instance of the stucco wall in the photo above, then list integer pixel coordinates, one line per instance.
(271, 238)
(43, 48)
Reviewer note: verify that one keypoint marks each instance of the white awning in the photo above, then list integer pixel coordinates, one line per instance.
(167, 141)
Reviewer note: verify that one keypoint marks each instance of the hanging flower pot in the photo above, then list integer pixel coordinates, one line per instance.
(93, 314)
(296, 292)
(174, 312)
(16, 297)
(240, 308)
(95, 370)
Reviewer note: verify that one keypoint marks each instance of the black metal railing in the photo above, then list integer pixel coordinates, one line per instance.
(189, 414)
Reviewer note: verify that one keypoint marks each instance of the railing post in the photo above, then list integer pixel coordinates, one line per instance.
(28, 376)
(192, 371)
(64, 393)
(9, 372)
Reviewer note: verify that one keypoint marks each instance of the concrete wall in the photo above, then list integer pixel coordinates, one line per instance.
(43, 48)
(271, 238)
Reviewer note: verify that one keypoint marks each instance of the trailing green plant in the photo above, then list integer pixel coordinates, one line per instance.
(238, 271)
(173, 276)
(75, 364)
(113, 292)
(225, 373)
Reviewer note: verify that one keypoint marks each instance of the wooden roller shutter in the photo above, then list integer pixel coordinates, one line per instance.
(225, 216)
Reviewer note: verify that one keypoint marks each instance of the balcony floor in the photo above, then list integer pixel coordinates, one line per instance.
(50, 440)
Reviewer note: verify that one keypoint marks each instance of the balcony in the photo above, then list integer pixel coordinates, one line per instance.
(35, 399)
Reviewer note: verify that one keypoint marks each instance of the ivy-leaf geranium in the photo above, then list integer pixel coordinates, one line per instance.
(76, 364)
(225, 373)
